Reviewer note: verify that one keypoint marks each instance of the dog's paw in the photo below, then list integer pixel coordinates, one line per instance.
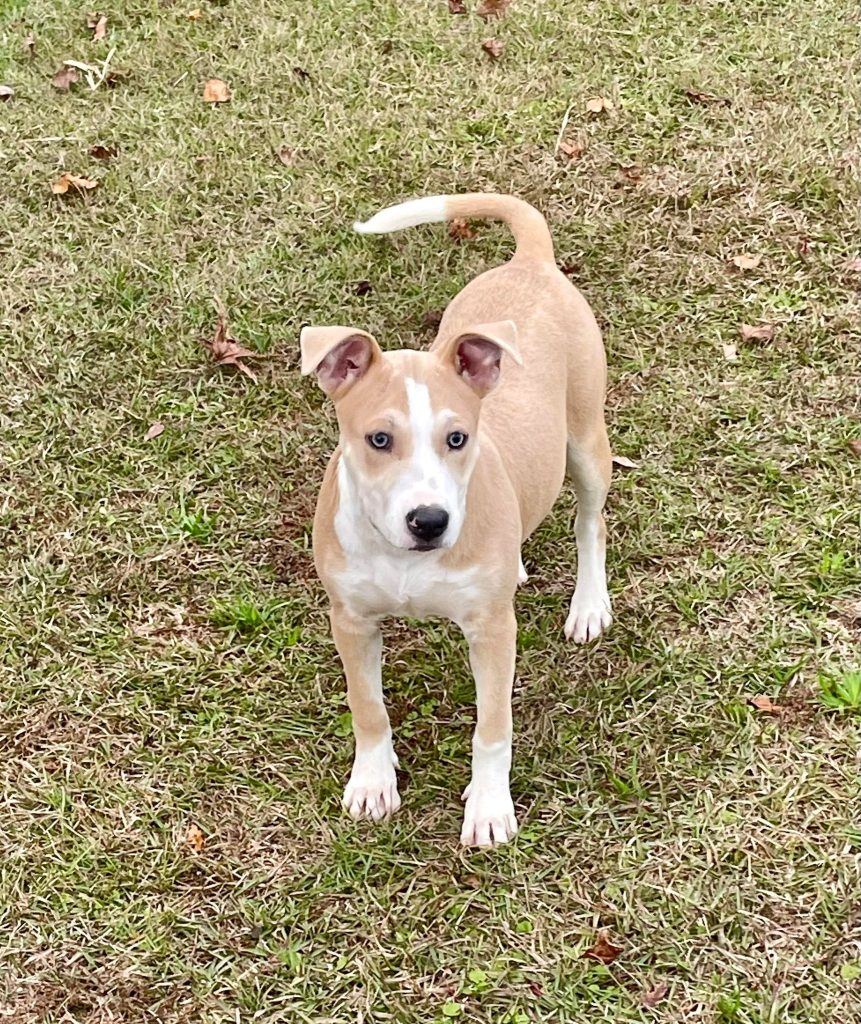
(589, 616)
(522, 574)
(372, 791)
(488, 818)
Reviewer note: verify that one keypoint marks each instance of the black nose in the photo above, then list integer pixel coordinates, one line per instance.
(427, 522)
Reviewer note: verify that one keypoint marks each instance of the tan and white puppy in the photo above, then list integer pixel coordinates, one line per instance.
(448, 460)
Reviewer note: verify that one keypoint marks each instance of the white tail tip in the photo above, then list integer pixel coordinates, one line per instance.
(428, 210)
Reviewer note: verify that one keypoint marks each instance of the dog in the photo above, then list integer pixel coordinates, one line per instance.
(448, 459)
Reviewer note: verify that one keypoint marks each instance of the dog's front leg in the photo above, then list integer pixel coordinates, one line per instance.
(489, 813)
(372, 791)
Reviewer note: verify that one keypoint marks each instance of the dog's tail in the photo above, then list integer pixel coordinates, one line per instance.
(527, 225)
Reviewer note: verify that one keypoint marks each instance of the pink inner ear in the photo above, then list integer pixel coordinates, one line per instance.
(478, 360)
(348, 361)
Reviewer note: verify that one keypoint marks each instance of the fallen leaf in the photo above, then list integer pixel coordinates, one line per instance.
(194, 838)
(572, 150)
(227, 351)
(6, 92)
(570, 268)
(66, 181)
(488, 9)
(761, 332)
(29, 45)
(536, 989)
(459, 229)
(631, 172)
(195, 15)
(99, 24)
(154, 430)
(363, 287)
(744, 261)
(603, 951)
(598, 104)
(655, 995)
(493, 48)
(706, 98)
(115, 76)
(287, 156)
(854, 446)
(216, 91)
(100, 152)
(65, 78)
(456, 7)
(625, 462)
(764, 703)
(730, 352)
(302, 74)
(853, 264)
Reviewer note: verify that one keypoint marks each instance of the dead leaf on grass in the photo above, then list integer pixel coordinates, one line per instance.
(66, 181)
(65, 78)
(760, 332)
(460, 230)
(99, 24)
(854, 446)
(6, 92)
(603, 951)
(730, 352)
(115, 76)
(29, 45)
(194, 838)
(302, 74)
(762, 702)
(154, 430)
(488, 9)
(631, 172)
(456, 7)
(287, 155)
(227, 351)
(571, 150)
(216, 91)
(655, 995)
(363, 287)
(493, 48)
(706, 98)
(100, 152)
(625, 462)
(745, 261)
(195, 15)
(570, 268)
(599, 104)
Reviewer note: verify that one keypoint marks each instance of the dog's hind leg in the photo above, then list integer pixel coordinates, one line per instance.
(590, 465)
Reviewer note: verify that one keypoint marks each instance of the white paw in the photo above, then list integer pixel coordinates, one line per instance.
(589, 616)
(372, 791)
(488, 819)
(522, 574)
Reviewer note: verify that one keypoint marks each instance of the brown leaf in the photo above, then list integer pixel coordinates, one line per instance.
(854, 264)
(536, 989)
(764, 703)
(194, 838)
(154, 430)
(744, 261)
(65, 78)
(226, 351)
(493, 48)
(66, 181)
(216, 91)
(302, 74)
(115, 76)
(707, 98)
(488, 9)
(99, 25)
(195, 15)
(572, 150)
(603, 951)
(100, 152)
(854, 446)
(730, 352)
(459, 229)
(598, 104)
(456, 7)
(6, 92)
(655, 995)
(363, 287)
(570, 268)
(761, 332)
(29, 45)
(631, 172)
(625, 462)
(287, 155)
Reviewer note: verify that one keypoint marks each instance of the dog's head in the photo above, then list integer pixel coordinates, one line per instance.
(409, 424)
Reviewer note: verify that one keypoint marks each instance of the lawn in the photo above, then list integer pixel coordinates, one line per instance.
(172, 715)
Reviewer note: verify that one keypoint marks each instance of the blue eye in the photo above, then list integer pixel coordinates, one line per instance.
(380, 440)
(456, 439)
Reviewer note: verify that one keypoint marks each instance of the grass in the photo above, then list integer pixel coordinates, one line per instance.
(165, 653)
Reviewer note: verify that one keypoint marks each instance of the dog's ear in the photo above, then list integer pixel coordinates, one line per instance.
(477, 353)
(338, 355)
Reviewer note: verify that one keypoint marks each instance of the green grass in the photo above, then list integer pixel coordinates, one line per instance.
(165, 650)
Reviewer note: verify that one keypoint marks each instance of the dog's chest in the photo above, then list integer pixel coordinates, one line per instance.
(408, 583)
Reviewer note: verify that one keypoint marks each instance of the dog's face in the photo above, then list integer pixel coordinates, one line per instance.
(409, 425)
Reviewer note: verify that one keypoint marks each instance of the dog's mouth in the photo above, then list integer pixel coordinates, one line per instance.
(424, 547)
